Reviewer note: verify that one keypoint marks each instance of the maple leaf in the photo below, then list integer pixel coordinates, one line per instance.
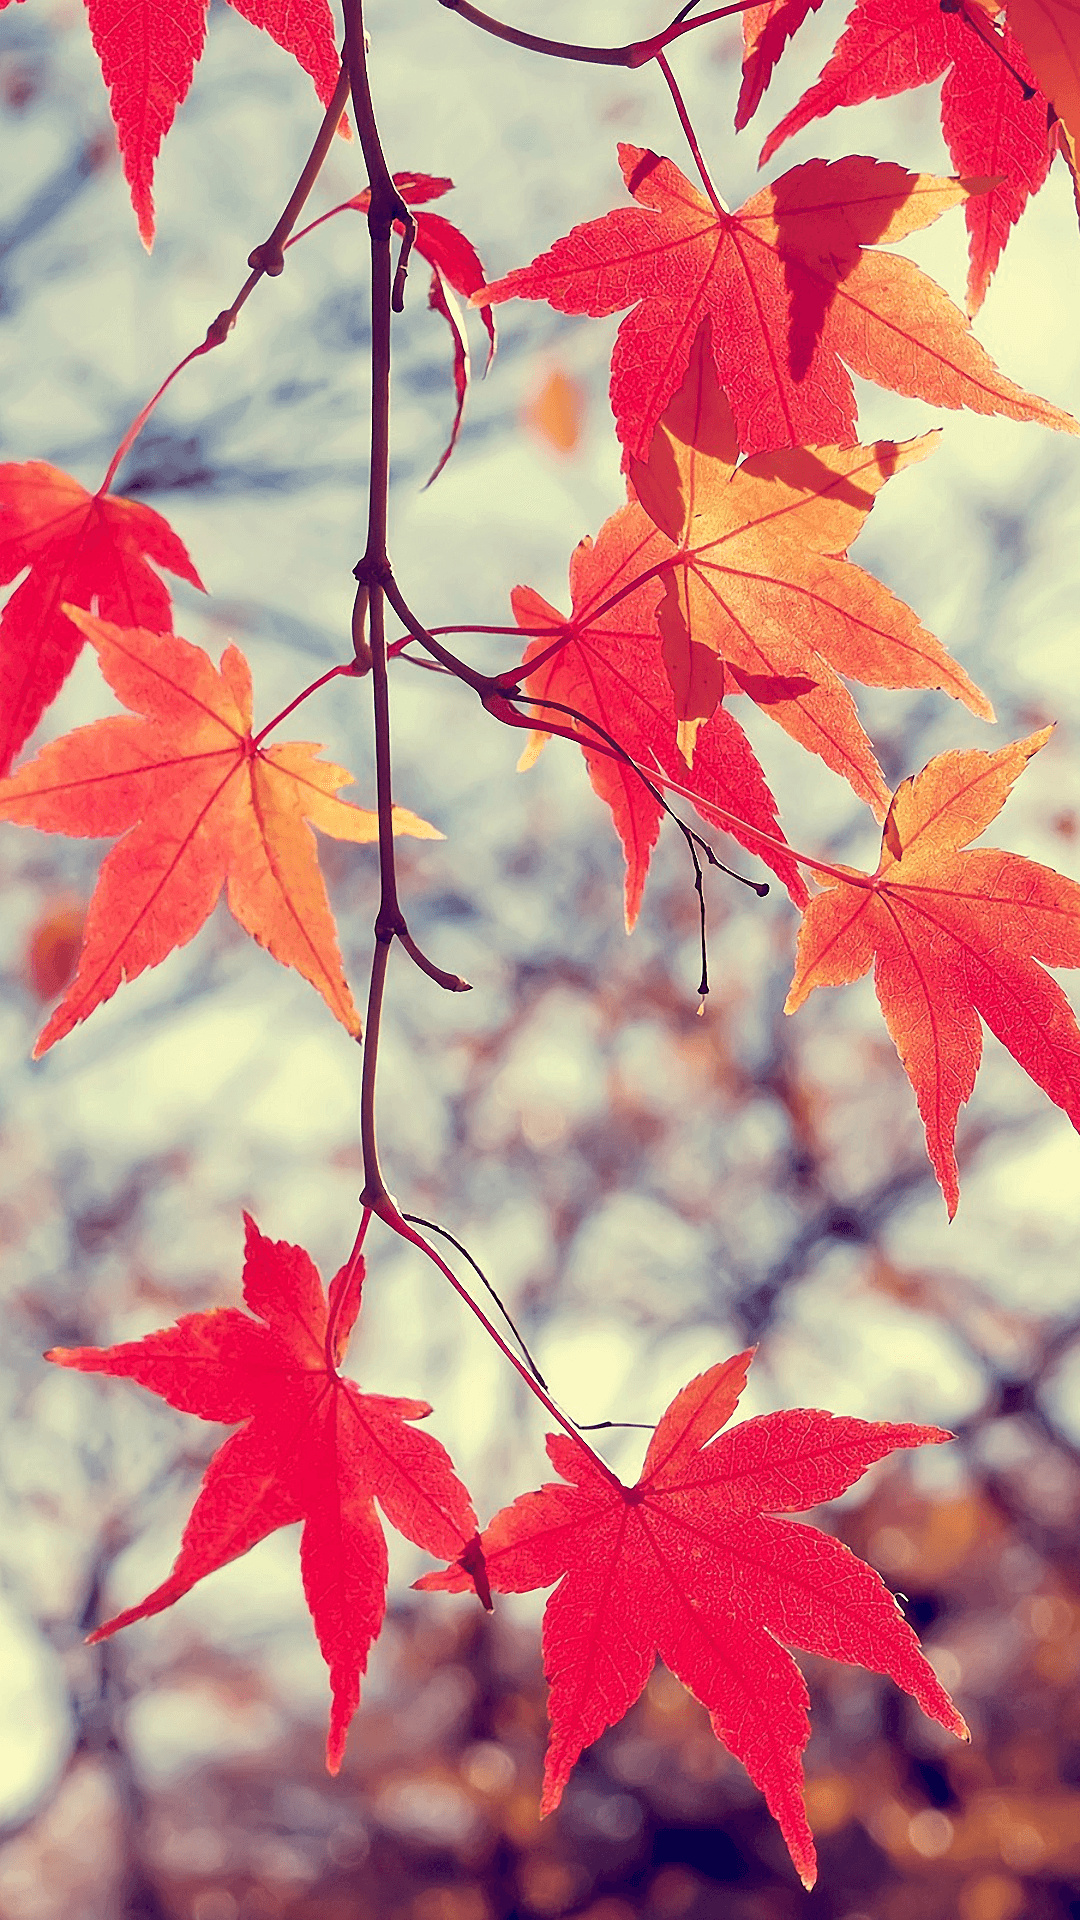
(690, 1565)
(756, 595)
(766, 32)
(86, 548)
(556, 413)
(611, 670)
(1049, 32)
(990, 127)
(312, 1448)
(795, 292)
(200, 806)
(953, 935)
(456, 267)
(148, 51)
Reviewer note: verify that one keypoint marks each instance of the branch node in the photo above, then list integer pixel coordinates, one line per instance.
(373, 570)
(268, 258)
(219, 329)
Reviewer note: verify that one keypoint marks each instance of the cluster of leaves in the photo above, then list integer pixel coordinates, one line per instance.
(724, 575)
(685, 1563)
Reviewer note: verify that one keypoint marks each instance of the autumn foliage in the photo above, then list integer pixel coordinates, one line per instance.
(724, 579)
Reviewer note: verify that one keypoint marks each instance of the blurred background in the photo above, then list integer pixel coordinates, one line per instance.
(648, 1190)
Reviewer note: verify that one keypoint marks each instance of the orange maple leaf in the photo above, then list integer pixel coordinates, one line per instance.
(200, 805)
(760, 598)
(953, 935)
(797, 292)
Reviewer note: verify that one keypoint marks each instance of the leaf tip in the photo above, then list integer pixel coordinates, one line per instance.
(45, 1039)
(62, 1356)
(80, 617)
(550, 1798)
(1036, 741)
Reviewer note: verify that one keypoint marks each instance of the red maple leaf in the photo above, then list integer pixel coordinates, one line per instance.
(991, 128)
(766, 32)
(200, 805)
(85, 548)
(688, 1564)
(611, 670)
(312, 1448)
(952, 935)
(795, 292)
(148, 51)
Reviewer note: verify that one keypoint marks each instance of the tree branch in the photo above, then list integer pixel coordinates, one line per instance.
(386, 207)
(636, 53)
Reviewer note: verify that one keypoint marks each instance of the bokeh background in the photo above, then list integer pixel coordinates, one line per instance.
(647, 1190)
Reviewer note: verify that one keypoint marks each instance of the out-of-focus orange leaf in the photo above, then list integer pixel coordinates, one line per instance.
(52, 951)
(557, 412)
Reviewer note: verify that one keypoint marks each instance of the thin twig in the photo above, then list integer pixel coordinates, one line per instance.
(583, 1426)
(391, 1217)
(450, 982)
(760, 887)
(384, 204)
(266, 259)
(699, 889)
(497, 697)
(599, 1426)
(636, 53)
(432, 1226)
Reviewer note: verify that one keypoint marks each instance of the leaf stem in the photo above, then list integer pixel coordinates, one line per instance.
(496, 694)
(391, 1217)
(267, 259)
(851, 876)
(349, 668)
(339, 1289)
(432, 1226)
(691, 137)
(977, 20)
